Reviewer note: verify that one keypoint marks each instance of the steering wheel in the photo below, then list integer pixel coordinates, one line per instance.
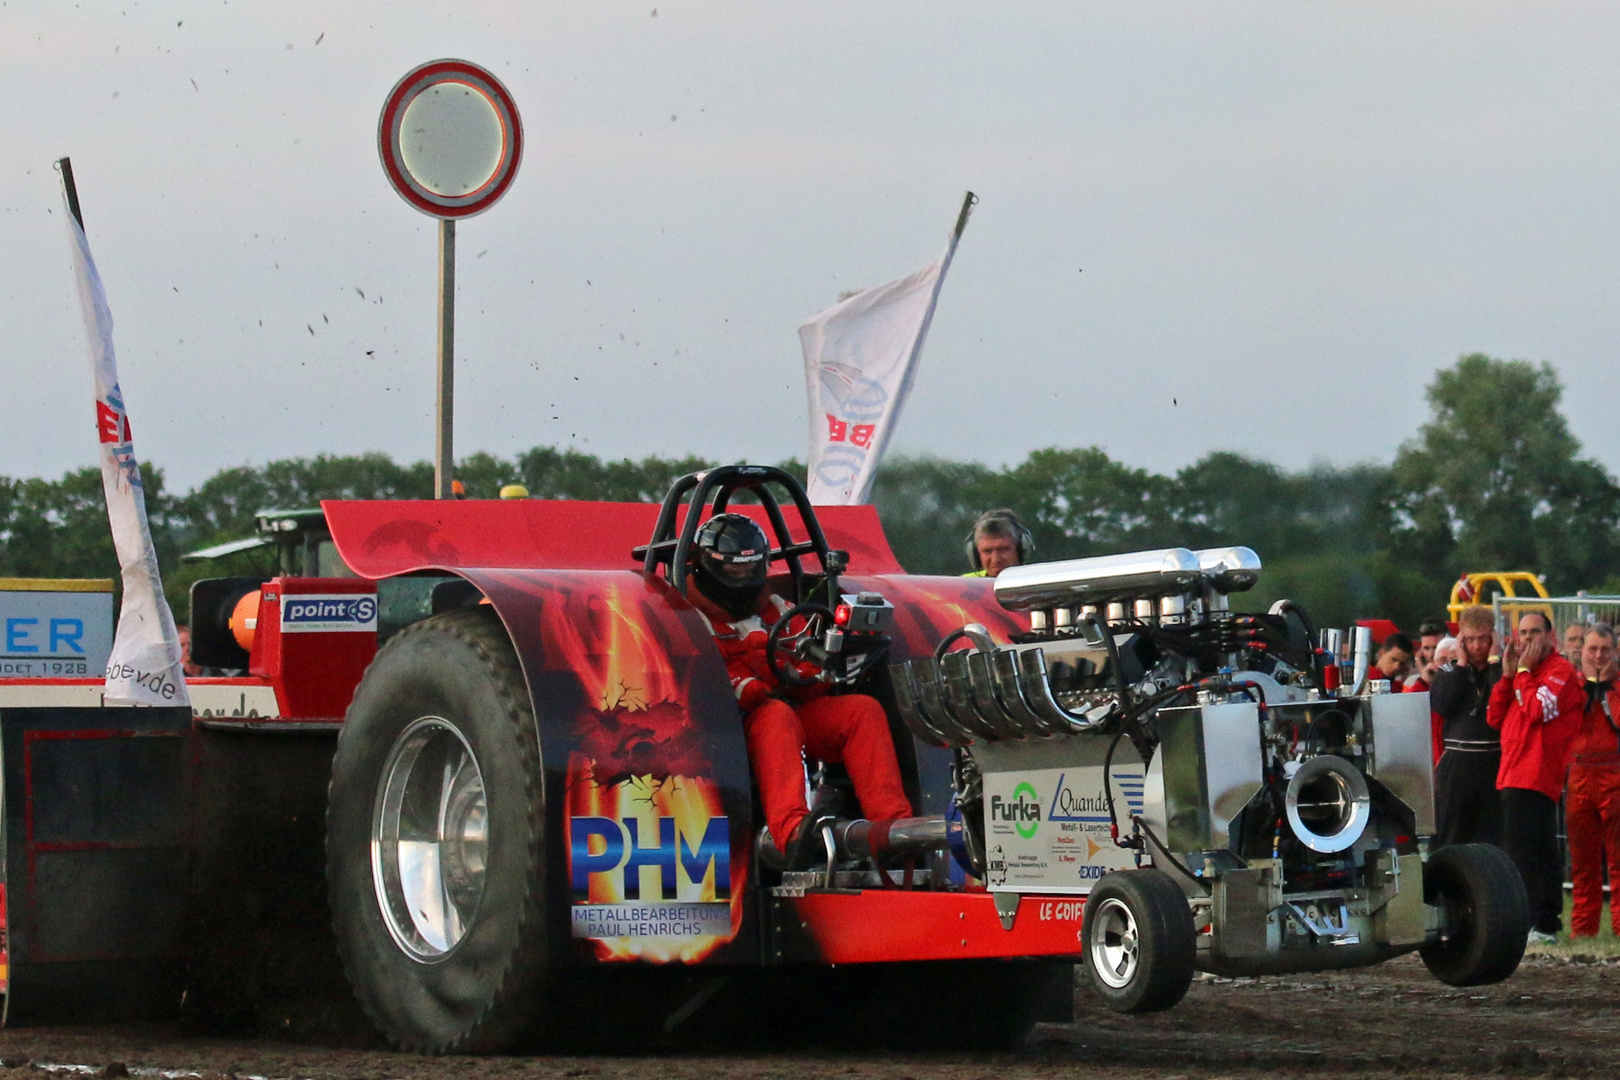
(818, 617)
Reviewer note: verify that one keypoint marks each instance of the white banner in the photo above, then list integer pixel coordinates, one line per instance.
(144, 668)
(860, 359)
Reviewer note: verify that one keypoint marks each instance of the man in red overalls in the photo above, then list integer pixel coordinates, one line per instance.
(1592, 800)
(1538, 710)
(730, 560)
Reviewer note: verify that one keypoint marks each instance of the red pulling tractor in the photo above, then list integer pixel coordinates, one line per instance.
(499, 756)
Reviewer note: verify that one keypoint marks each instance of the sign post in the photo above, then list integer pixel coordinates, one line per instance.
(450, 141)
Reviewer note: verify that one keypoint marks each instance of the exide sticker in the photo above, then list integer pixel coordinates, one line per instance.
(328, 614)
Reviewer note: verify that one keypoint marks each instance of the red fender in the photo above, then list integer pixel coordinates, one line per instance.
(646, 773)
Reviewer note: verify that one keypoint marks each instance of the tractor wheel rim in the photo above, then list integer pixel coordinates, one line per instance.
(1115, 953)
(429, 839)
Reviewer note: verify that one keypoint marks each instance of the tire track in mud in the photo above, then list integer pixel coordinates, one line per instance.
(1554, 1018)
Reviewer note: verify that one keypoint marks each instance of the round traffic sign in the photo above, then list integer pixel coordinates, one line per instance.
(450, 138)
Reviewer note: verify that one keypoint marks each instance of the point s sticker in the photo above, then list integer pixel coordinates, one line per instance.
(325, 614)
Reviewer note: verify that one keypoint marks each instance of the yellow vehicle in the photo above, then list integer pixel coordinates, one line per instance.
(1478, 588)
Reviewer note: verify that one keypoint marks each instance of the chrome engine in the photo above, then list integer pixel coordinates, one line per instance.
(1141, 721)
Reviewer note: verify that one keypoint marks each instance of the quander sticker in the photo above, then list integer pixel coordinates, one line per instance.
(328, 614)
(1049, 829)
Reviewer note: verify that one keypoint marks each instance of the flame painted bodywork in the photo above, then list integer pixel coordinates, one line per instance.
(649, 812)
(645, 764)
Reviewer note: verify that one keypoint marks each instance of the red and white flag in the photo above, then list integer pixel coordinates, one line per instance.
(860, 359)
(144, 668)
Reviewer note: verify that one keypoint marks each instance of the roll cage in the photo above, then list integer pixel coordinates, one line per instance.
(714, 489)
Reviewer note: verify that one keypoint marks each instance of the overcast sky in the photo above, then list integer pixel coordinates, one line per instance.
(1209, 226)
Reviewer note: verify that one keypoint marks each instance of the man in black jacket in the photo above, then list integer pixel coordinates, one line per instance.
(1468, 808)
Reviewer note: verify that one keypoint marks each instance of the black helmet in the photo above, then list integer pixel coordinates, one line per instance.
(730, 559)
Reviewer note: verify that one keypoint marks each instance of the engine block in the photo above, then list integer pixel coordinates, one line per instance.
(1142, 722)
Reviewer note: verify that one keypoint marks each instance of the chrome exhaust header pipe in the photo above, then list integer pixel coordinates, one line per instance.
(902, 836)
(968, 697)
(953, 668)
(1038, 691)
(908, 699)
(1027, 721)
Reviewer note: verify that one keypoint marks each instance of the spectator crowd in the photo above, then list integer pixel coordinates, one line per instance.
(1520, 725)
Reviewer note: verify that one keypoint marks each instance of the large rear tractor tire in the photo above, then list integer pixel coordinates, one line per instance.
(1487, 915)
(1139, 941)
(434, 853)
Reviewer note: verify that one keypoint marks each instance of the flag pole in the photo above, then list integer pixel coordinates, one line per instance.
(69, 189)
(969, 201)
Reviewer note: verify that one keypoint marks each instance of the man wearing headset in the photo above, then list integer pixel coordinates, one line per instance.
(998, 540)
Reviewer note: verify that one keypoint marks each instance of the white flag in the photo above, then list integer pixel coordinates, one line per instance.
(144, 668)
(860, 359)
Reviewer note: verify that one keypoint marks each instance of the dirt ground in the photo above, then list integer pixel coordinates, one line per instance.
(1558, 1016)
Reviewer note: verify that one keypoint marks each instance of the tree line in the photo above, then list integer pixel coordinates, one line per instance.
(1493, 481)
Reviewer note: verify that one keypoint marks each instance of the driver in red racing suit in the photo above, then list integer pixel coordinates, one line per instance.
(729, 564)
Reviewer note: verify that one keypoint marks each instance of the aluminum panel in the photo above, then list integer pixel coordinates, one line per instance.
(1181, 758)
(1233, 766)
(1212, 768)
(1403, 756)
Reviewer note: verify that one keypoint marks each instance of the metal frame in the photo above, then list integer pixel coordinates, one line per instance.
(719, 485)
(1562, 609)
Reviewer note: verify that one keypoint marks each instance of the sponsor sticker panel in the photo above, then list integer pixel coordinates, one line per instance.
(604, 922)
(54, 634)
(650, 869)
(326, 614)
(1048, 829)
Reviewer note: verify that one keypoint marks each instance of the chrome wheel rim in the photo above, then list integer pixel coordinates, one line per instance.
(1115, 953)
(429, 839)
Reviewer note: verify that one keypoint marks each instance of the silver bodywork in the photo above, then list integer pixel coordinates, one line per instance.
(1139, 575)
(1296, 819)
